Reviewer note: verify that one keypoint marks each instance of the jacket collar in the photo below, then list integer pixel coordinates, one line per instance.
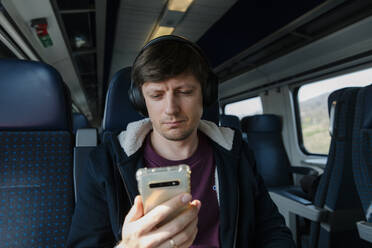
(227, 143)
(133, 137)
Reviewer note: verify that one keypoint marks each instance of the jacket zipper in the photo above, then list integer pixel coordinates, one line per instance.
(218, 199)
(236, 221)
(125, 186)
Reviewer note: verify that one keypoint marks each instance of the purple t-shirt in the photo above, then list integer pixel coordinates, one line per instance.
(202, 167)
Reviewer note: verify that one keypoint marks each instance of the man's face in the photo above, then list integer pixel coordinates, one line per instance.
(175, 106)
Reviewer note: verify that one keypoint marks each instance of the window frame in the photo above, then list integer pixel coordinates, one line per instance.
(297, 114)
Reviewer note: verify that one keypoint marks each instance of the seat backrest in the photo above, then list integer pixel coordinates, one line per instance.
(362, 149)
(79, 121)
(230, 121)
(336, 191)
(36, 187)
(118, 109)
(264, 136)
(118, 112)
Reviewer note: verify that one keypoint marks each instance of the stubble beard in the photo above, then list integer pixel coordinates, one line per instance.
(178, 136)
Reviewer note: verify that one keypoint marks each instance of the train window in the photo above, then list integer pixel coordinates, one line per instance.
(251, 106)
(312, 109)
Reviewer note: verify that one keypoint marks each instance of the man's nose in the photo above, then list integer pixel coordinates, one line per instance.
(172, 106)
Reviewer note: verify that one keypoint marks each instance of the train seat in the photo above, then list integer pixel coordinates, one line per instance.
(336, 206)
(36, 188)
(263, 134)
(336, 192)
(230, 121)
(362, 158)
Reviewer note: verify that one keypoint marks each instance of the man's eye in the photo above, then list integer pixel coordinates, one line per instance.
(155, 96)
(188, 92)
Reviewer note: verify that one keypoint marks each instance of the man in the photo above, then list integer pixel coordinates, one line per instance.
(171, 83)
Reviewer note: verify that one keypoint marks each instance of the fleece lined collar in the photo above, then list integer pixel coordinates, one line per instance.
(132, 139)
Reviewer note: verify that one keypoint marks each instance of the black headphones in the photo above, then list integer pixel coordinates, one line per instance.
(209, 89)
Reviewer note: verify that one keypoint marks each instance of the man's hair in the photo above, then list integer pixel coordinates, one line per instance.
(169, 58)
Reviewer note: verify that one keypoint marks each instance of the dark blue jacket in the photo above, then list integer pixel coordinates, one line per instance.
(248, 217)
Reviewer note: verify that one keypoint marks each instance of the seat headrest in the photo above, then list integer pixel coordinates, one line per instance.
(118, 109)
(33, 97)
(262, 123)
(334, 100)
(230, 121)
(335, 97)
(79, 121)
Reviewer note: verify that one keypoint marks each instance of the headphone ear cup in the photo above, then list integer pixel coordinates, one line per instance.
(137, 101)
(210, 93)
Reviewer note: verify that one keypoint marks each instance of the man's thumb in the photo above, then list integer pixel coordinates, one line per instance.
(136, 211)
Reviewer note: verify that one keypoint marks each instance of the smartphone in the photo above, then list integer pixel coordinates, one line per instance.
(157, 185)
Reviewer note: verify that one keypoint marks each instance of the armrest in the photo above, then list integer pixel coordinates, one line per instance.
(303, 170)
(288, 192)
(86, 141)
(365, 230)
(299, 207)
(86, 137)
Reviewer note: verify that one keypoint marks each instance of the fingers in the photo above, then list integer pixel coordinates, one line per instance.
(159, 213)
(196, 203)
(136, 211)
(185, 238)
(179, 224)
(128, 233)
(139, 228)
(189, 242)
(188, 235)
(181, 221)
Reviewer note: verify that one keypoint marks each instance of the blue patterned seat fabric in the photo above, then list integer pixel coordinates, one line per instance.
(36, 187)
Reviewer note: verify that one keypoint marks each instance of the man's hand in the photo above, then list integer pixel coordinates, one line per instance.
(141, 230)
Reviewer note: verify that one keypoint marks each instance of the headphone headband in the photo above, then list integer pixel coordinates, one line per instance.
(165, 37)
(209, 89)
(172, 38)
